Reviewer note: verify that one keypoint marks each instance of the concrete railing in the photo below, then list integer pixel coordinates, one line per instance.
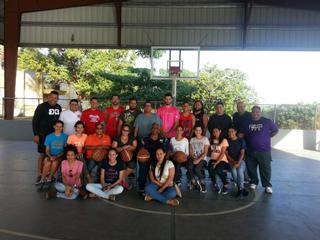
(285, 139)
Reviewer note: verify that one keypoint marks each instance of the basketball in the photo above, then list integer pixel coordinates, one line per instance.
(99, 154)
(126, 155)
(180, 157)
(143, 155)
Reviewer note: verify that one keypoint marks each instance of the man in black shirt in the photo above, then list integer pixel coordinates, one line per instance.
(42, 123)
(219, 120)
(240, 117)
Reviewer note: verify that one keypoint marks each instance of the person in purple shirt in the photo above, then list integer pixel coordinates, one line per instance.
(258, 133)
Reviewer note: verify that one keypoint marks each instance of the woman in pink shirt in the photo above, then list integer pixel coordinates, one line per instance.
(71, 170)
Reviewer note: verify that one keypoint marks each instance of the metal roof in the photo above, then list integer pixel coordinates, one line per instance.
(227, 25)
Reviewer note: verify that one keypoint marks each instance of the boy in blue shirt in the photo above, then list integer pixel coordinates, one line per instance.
(54, 144)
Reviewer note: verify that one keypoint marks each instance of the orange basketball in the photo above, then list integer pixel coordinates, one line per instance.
(180, 157)
(99, 154)
(143, 155)
(126, 155)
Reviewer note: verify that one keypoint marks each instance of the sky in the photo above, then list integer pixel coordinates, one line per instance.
(278, 77)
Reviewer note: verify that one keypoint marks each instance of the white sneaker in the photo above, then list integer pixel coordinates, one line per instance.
(268, 190)
(253, 186)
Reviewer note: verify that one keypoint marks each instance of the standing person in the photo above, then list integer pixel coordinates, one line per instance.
(129, 116)
(241, 117)
(258, 133)
(111, 176)
(201, 117)
(236, 157)
(70, 117)
(151, 143)
(112, 116)
(71, 184)
(187, 120)
(144, 121)
(126, 142)
(42, 124)
(55, 143)
(94, 142)
(218, 163)
(199, 146)
(179, 143)
(169, 116)
(91, 116)
(161, 176)
(220, 120)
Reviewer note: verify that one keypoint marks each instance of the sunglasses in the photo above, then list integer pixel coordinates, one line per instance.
(70, 173)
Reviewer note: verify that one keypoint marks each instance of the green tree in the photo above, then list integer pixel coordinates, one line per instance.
(80, 67)
(226, 85)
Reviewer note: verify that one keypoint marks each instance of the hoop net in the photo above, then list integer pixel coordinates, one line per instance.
(174, 71)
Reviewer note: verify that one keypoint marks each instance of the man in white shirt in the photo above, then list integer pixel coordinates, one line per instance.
(70, 117)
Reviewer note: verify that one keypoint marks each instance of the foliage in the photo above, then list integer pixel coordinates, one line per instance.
(226, 85)
(81, 67)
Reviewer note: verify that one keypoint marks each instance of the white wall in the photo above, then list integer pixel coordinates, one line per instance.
(297, 139)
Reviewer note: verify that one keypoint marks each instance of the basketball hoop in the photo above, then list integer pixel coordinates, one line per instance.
(174, 71)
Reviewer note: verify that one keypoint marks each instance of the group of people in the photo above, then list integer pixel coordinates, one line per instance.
(93, 152)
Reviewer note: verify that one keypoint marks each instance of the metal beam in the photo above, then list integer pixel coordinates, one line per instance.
(43, 5)
(11, 40)
(118, 6)
(246, 18)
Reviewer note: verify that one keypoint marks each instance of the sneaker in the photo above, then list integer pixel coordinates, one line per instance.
(253, 186)
(38, 181)
(203, 188)
(268, 190)
(217, 188)
(51, 194)
(198, 186)
(46, 185)
(112, 198)
(239, 193)
(224, 190)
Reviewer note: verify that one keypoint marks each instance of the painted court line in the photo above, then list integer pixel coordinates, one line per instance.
(21, 234)
(256, 198)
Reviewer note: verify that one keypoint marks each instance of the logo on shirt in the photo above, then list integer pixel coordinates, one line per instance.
(55, 111)
(255, 127)
(94, 118)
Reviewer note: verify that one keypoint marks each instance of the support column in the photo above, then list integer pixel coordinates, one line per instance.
(11, 39)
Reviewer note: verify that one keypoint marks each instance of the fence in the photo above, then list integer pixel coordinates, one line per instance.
(286, 116)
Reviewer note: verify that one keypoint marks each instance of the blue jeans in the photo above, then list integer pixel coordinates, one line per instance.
(238, 174)
(152, 190)
(61, 190)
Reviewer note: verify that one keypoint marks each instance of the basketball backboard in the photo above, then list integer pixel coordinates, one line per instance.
(180, 63)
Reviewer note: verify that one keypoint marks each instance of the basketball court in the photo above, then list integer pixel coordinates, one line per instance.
(290, 213)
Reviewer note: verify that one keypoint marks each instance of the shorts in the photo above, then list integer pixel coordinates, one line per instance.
(41, 146)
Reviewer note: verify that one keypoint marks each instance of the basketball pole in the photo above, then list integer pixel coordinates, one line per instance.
(174, 90)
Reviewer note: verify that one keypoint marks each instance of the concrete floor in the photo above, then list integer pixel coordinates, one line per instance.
(292, 212)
